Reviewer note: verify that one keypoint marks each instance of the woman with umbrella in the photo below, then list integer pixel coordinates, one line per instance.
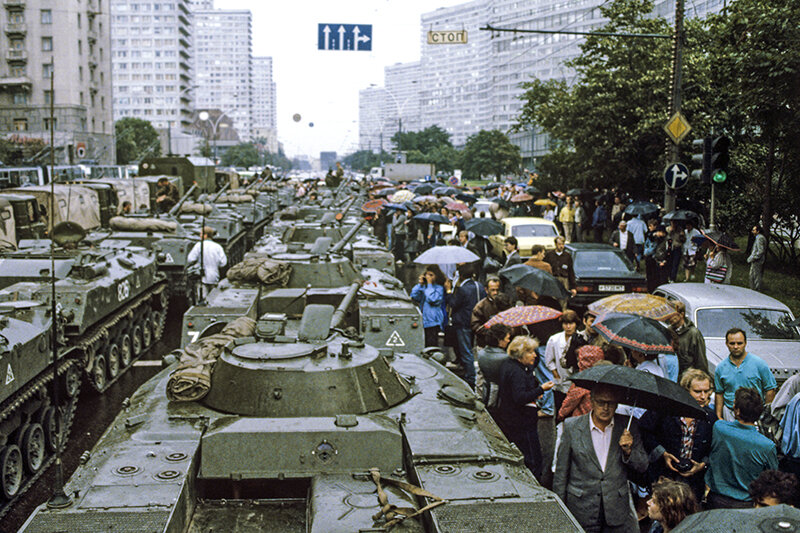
(719, 267)
(517, 414)
(429, 295)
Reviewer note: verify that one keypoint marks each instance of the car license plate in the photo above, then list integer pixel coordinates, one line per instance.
(612, 288)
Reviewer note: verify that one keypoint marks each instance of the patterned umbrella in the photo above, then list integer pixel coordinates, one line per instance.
(424, 198)
(521, 197)
(373, 206)
(634, 332)
(402, 196)
(523, 316)
(456, 206)
(647, 305)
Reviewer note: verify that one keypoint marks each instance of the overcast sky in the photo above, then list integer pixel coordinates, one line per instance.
(322, 86)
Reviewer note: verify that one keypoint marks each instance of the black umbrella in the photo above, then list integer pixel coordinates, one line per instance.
(634, 332)
(493, 185)
(432, 217)
(411, 206)
(385, 192)
(445, 191)
(484, 226)
(641, 208)
(535, 280)
(530, 189)
(578, 192)
(502, 202)
(681, 215)
(641, 389)
(468, 198)
(717, 238)
(423, 189)
(770, 518)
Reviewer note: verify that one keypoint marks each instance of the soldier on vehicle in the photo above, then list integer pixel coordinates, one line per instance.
(167, 195)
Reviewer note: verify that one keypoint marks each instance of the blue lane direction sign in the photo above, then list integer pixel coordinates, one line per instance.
(356, 37)
(676, 175)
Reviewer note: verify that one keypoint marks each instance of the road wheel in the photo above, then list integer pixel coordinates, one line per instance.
(10, 471)
(113, 360)
(99, 373)
(147, 332)
(136, 341)
(71, 381)
(49, 422)
(32, 446)
(125, 351)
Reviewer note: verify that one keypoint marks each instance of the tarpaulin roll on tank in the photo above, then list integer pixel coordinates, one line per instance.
(235, 198)
(142, 224)
(197, 208)
(192, 379)
(267, 271)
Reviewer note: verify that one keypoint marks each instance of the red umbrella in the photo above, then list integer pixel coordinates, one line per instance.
(456, 206)
(373, 206)
(521, 197)
(523, 316)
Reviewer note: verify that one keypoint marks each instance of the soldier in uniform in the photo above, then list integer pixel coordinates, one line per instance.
(167, 195)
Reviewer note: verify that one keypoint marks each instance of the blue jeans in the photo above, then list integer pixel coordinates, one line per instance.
(465, 356)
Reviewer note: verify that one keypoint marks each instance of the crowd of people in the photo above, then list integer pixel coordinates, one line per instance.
(616, 468)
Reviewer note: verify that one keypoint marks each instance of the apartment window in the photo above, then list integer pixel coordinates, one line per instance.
(80, 73)
(47, 123)
(80, 47)
(47, 16)
(21, 124)
(47, 44)
(102, 102)
(48, 97)
(79, 20)
(20, 98)
(81, 97)
(18, 70)
(47, 70)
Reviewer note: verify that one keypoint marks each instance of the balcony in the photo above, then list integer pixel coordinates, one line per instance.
(16, 29)
(14, 4)
(16, 56)
(19, 82)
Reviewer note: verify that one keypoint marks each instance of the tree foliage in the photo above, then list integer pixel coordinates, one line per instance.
(423, 141)
(136, 138)
(489, 153)
(364, 160)
(242, 155)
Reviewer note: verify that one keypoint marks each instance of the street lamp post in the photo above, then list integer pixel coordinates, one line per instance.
(399, 108)
(204, 116)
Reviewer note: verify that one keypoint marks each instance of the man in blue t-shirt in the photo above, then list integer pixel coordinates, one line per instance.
(740, 369)
(739, 453)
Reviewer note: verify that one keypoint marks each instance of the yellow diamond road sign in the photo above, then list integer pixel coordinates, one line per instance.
(677, 127)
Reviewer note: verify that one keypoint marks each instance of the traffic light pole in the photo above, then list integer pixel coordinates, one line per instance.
(675, 103)
(711, 223)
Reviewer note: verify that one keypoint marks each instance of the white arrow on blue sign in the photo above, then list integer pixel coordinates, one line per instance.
(676, 175)
(344, 37)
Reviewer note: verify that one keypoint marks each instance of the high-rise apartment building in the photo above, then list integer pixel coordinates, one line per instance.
(372, 120)
(265, 116)
(152, 64)
(70, 41)
(401, 103)
(224, 65)
(455, 77)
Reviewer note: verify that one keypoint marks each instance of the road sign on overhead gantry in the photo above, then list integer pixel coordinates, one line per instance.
(356, 37)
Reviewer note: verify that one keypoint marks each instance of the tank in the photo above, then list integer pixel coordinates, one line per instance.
(29, 432)
(316, 432)
(112, 300)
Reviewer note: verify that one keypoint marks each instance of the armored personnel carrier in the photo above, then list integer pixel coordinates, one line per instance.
(316, 432)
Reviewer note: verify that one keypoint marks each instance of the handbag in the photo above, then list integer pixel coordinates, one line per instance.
(716, 274)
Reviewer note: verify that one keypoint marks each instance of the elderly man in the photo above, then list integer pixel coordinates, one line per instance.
(486, 309)
(757, 258)
(593, 462)
(211, 256)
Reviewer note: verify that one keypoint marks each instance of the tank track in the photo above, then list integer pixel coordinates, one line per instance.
(40, 385)
(102, 330)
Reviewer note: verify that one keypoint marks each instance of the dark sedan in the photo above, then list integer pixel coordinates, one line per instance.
(602, 270)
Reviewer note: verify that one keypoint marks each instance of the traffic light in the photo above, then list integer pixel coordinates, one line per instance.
(720, 159)
(701, 157)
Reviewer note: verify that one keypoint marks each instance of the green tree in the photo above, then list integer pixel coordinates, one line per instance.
(444, 157)
(242, 155)
(489, 153)
(278, 159)
(364, 160)
(135, 138)
(423, 141)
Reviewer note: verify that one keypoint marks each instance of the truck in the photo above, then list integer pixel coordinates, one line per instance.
(403, 171)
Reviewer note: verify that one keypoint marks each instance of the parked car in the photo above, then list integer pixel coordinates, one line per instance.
(528, 231)
(602, 270)
(715, 308)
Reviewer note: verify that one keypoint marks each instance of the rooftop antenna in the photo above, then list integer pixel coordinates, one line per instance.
(59, 499)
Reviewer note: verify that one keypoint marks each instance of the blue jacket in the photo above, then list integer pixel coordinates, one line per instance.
(599, 217)
(430, 298)
(463, 300)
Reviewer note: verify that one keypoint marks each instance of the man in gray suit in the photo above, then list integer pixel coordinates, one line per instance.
(592, 465)
(757, 258)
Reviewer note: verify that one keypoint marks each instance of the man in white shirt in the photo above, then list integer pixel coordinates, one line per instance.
(213, 258)
(638, 229)
(623, 240)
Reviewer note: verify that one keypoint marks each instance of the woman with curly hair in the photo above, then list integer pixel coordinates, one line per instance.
(671, 502)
